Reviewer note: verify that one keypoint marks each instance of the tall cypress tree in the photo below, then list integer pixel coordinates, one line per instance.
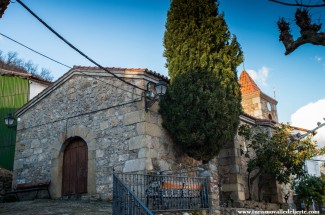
(203, 102)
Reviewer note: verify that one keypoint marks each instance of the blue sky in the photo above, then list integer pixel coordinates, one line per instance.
(129, 33)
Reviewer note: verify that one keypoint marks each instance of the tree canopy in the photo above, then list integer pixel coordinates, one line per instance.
(309, 188)
(202, 105)
(277, 152)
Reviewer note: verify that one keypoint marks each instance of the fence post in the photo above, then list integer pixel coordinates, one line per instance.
(214, 188)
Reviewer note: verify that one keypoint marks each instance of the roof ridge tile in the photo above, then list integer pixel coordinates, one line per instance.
(247, 84)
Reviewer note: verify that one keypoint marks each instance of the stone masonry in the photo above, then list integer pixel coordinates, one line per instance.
(108, 115)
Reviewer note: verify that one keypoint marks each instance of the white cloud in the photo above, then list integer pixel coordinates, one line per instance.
(261, 76)
(308, 116)
(318, 59)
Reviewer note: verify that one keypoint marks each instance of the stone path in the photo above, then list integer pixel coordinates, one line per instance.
(61, 207)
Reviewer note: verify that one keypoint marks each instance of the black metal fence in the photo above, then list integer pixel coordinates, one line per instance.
(125, 202)
(166, 192)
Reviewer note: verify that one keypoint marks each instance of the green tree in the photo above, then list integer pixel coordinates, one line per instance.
(277, 152)
(203, 102)
(309, 188)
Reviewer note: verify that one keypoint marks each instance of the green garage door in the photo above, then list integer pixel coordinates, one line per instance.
(13, 95)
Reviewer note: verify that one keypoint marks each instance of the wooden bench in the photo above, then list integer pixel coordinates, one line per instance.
(30, 187)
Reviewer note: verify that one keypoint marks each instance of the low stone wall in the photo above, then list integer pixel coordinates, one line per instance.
(5, 182)
(257, 205)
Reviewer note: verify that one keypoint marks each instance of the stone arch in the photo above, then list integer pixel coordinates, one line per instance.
(63, 140)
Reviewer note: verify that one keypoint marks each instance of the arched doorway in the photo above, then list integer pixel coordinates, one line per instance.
(75, 167)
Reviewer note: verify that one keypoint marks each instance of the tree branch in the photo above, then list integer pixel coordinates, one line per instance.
(297, 4)
(315, 39)
(309, 33)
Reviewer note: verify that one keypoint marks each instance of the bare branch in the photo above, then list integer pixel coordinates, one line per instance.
(298, 4)
(309, 32)
(315, 39)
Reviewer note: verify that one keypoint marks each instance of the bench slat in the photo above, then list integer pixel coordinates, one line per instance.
(29, 187)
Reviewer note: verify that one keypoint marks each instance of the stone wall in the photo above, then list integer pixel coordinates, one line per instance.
(119, 133)
(5, 182)
(234, 176)
(107, 118)
(255, 104)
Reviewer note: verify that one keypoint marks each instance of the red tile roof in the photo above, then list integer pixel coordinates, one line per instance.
(24, 75)
(3, 6)
(247, 84)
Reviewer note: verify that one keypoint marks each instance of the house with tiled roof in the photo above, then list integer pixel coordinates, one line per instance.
(89, 122)
(17, 88)
(254, 101)
(92, 121)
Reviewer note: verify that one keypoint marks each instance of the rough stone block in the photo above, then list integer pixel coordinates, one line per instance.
(19, 164)
(141, 128)
(272, 206)
(35, 144)
(142, 153)
(20, 146)
(231, 187)
(99, 153)
(134, 117)
(163, 165)
(153, 130)
(27, 153)
(38, 151)
(228, 152)
(152, 153)
(149, 165)
(123, 157)
(139, 142)
(103, 125)
(134, 165)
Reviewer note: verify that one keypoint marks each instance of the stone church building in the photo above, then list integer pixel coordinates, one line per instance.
(88, 123)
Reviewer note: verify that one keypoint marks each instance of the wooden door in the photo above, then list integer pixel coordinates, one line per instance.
(75, 162)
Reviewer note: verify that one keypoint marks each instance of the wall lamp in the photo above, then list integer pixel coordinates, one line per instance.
(153, 93)
(9, 121)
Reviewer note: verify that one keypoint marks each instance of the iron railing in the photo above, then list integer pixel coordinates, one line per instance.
(162, 192)
(125, 202)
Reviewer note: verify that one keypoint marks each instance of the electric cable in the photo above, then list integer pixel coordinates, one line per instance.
(73, 47)
(82, 114)
(34, 50)
(64, 64)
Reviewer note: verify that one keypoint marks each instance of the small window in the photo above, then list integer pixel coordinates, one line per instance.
(270, 117)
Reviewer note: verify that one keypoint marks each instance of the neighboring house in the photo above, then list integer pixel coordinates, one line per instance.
(88, 123)
(17, 88)
(312, 167)
(259, 110)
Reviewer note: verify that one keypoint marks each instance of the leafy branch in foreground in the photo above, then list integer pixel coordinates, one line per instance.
(309, 188)
(276, 152)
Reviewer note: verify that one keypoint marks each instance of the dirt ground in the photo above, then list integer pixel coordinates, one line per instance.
(64, 207)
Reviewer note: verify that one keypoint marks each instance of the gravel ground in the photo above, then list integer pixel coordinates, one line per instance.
(66, 207)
